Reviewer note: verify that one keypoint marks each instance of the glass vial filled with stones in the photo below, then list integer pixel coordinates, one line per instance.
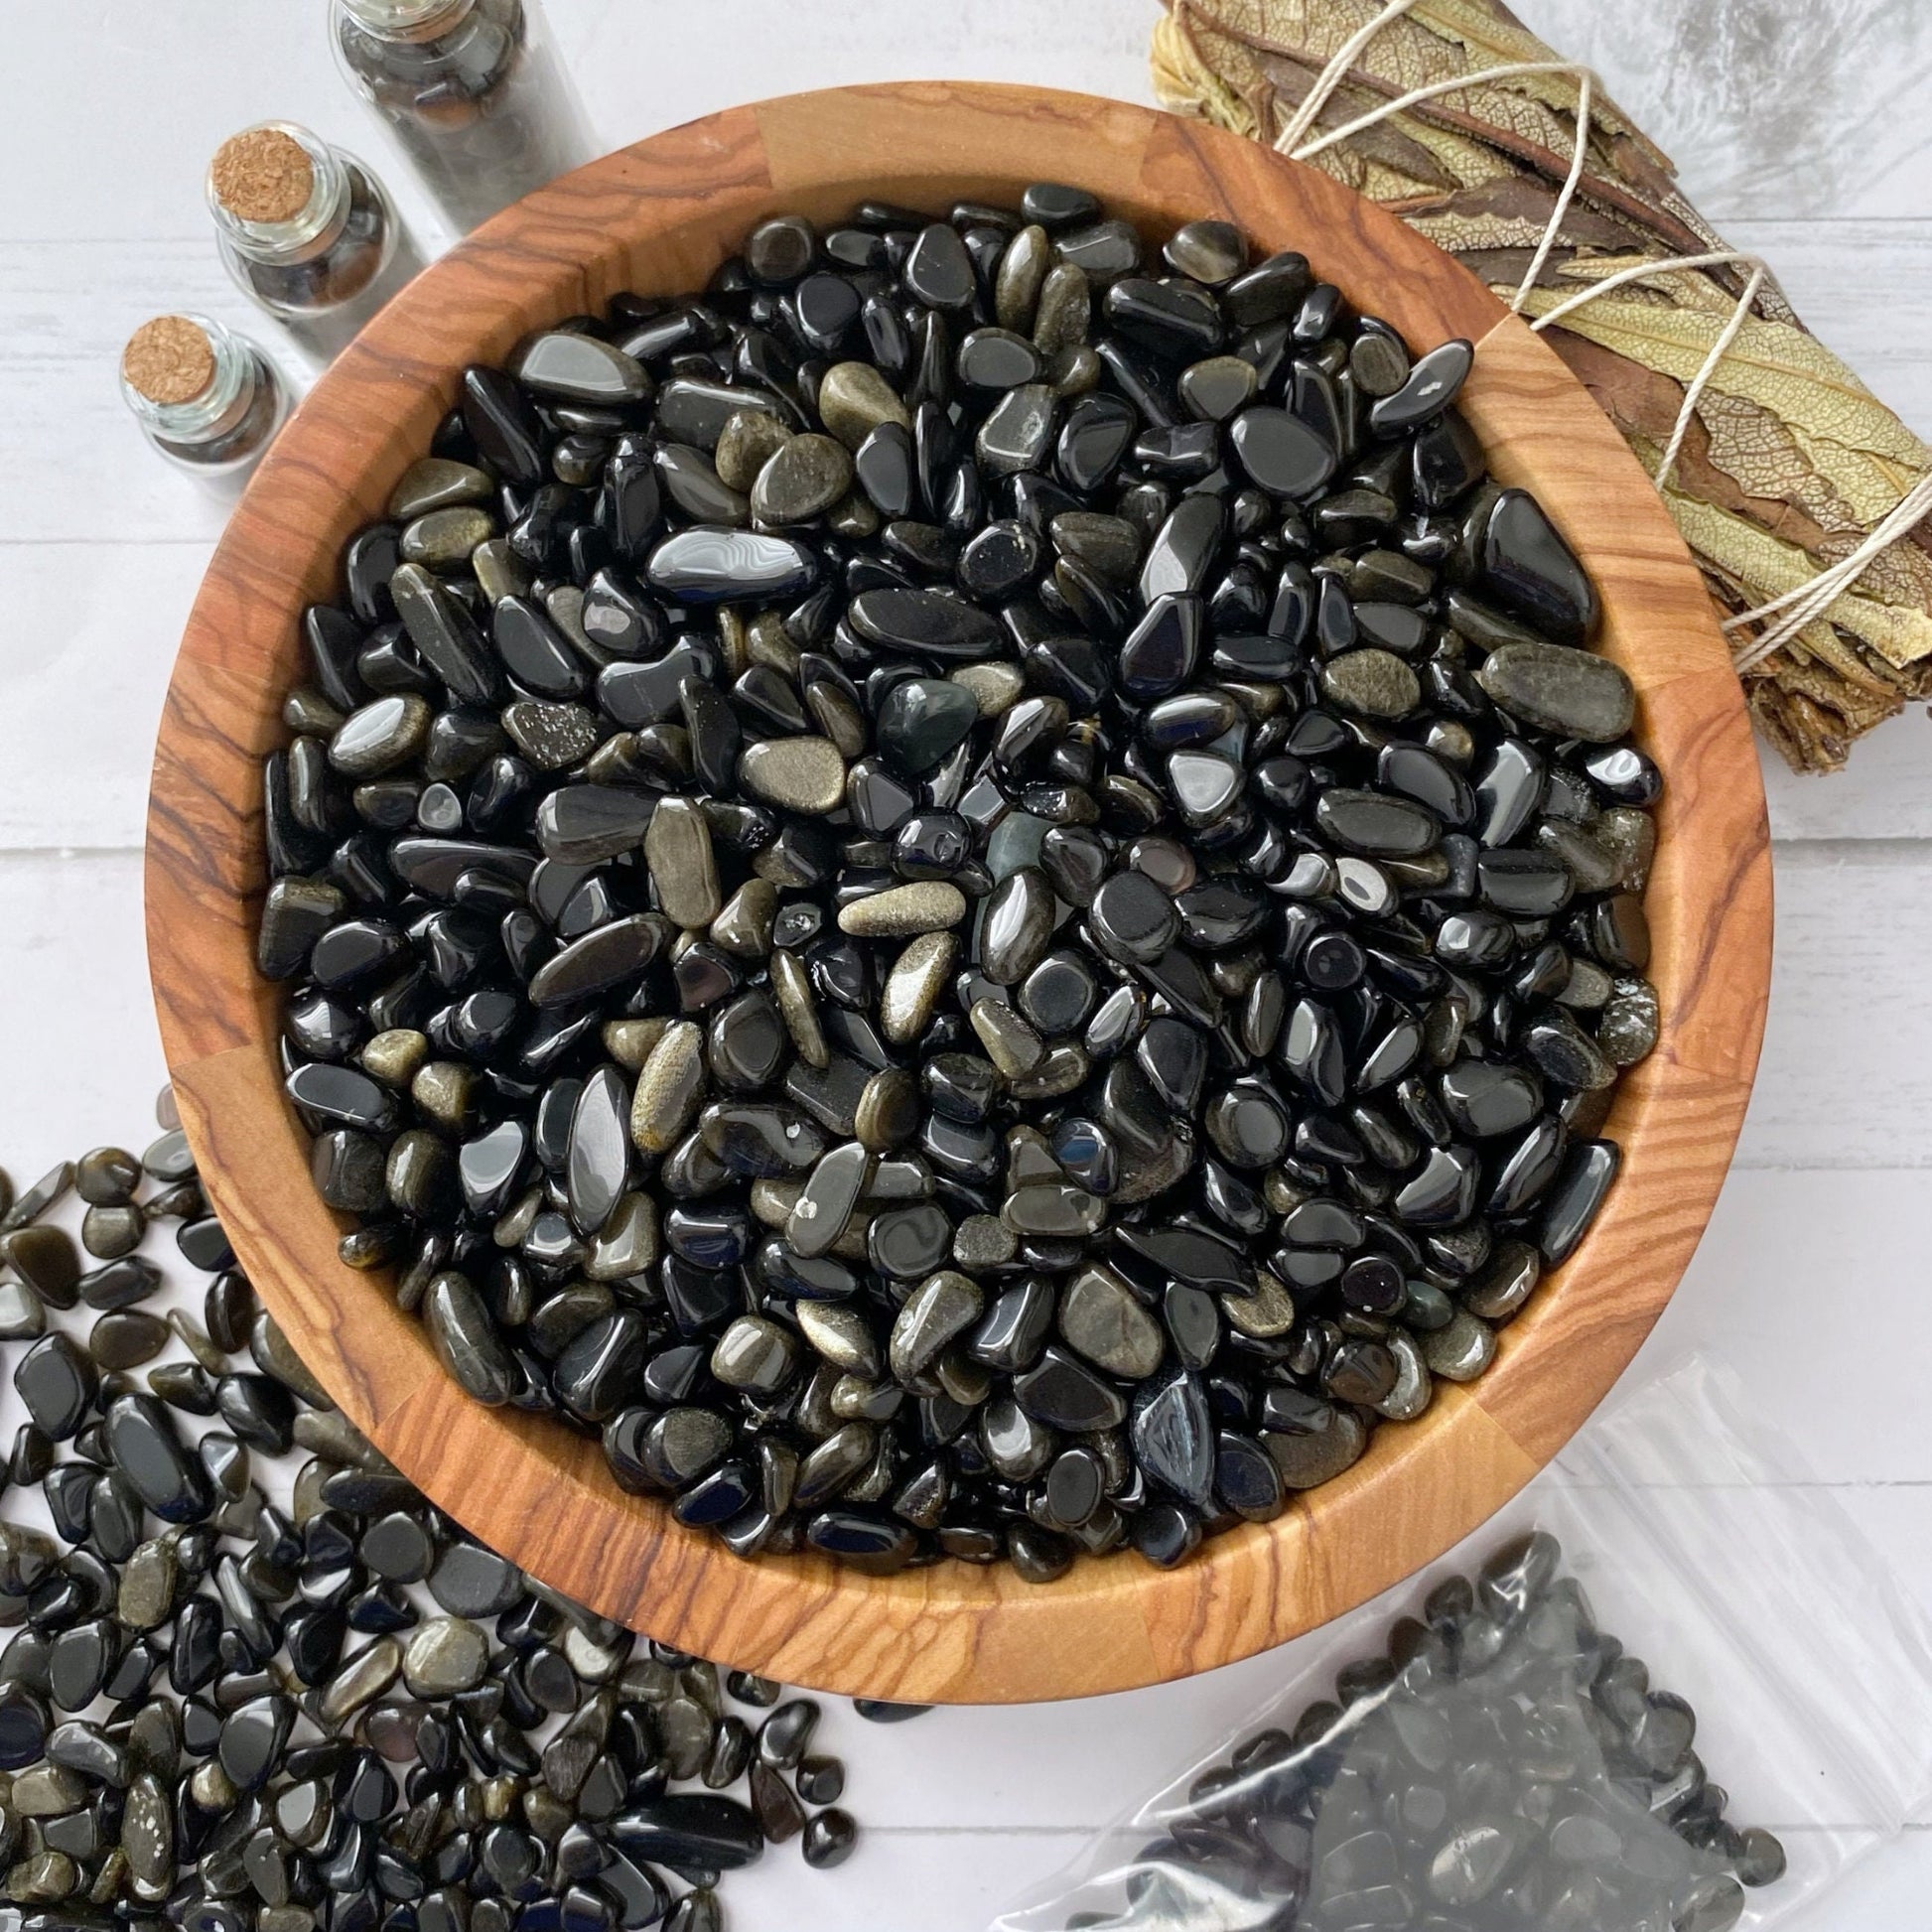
(473, 92)
(207, 399)
(307, 231)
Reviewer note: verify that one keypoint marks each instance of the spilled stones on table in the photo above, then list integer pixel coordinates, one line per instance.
(341, 1714)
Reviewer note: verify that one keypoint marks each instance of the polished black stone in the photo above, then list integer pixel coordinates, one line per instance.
(252, 1740)
(1060, 994)
(885, 469)
(1104, 250)
(1171, 319)
(1376, 823)
(1000, 561)
(1174, 1055)
(931, 845)
(722, 565)
(1248, 1126)
(870, 1543)
(746, 1040)
(1485, 1098)
(1529, 571)
(1017, 925)
(1420, 774)
(1625, 775)
(598, 1370)
(925, 622)
(921, 722)
(503, 425)
(1056, 207)
(1191, 1255)
(1281, 452)
(1445, 462)
(1221, 914)
(1133, 918)
(1431, 387)
(880, 799)
(829, 1839)
(446, 635)
(1571, 1202)
(1095, 435)
(1018, 432)
(1524, 885)
(23, 1727)
(1443, 1192)
(1269, 292)
(1173, 1436)
(1619, 934)
(260, 1411)
(997, 358)
(598, 1165)
(56, 1382)
(618, 618)
(1063, 1392)
(1195, 718)
(1178, 558)
(938, 268)
(533, 651)
(1016, 1326)
(1311, 1051)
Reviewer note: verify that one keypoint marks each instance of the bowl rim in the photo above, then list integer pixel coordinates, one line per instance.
(529, 1487)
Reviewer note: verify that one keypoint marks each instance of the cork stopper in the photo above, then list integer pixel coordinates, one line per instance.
(169, 359)
(262, 175)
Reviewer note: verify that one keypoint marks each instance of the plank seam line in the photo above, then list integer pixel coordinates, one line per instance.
(111, 543)
(70, 851)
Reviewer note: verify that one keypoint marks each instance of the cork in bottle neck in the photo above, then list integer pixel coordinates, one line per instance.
(168, 360)
(187, 378)
(263, 176)
(277, 193)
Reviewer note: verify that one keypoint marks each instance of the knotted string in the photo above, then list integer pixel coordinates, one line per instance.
(1811, 600)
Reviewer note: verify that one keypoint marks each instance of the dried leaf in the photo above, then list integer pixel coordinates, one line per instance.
(1757, 449)
(1753, 556)
(1770, 363)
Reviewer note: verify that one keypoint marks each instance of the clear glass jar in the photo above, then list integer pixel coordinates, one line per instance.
(471, 90)
(325, 267)
(220, 428)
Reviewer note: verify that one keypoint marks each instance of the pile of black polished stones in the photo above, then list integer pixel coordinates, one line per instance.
(1505, 1767)
(224, 1717)
(978, 892)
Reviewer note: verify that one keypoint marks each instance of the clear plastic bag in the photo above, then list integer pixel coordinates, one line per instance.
(1671, 1688)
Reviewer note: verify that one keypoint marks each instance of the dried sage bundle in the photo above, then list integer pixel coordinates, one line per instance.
(1788, 465)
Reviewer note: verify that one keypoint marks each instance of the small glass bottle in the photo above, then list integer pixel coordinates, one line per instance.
(306, 231)
(471, 90)
(207, 399)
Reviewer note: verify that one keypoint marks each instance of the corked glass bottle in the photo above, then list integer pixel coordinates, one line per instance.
(471, 90)
(306, 231)
(207, 399)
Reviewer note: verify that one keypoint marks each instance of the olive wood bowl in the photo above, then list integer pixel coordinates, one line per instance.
(658, 217)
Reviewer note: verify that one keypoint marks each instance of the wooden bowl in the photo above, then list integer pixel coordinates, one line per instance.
(658, 217)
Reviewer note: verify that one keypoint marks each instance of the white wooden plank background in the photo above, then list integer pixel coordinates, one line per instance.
(1800, 127)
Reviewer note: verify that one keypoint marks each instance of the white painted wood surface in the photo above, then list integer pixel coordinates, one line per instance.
(1800, 127)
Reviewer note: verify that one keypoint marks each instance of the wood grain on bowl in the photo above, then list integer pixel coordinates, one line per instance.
(658, 217)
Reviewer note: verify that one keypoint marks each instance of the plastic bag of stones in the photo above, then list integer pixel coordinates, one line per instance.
(1671, 1689)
